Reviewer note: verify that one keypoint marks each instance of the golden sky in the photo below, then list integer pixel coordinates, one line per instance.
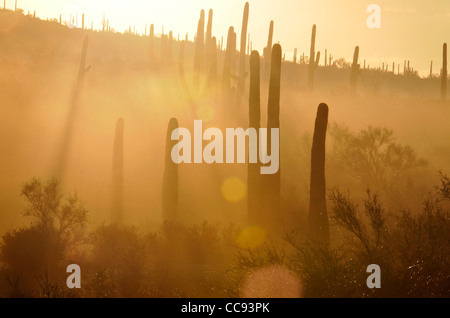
(410, 29)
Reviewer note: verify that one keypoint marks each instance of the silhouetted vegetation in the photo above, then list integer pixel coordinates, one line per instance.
(368, 193)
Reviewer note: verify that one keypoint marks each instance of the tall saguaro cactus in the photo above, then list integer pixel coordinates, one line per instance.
(273, 184)
(355, 69)
(208, 38)
(170, 177)
(227, 69)
(74, 101)
(444, 73)
(199, 50)
(209, 27)
(117, 172)
(242, 70)
(312, 64)
(253, 172)
(268, 50)
(151, 43)
(318, 218)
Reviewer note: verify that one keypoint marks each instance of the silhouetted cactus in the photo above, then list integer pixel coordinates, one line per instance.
(199, 50)
(242, 67)
(355, 69)
(151, 43)
(170, 46)
(227, 69)
(67, 137)
(253, 173)
(209, 25)
(212, 75)
(444, 73)
(272, 181)
(267, 51)
(170, 177)
(312, 64)
(431, 69)
(83, 69)
(318, 218)
(209, 37)
(117, 172)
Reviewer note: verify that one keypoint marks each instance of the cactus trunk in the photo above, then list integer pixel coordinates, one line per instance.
(272, 181)
(242, 66)
(268, 50)
(170, 177)
(208, 38)
(355, 69)
(226, 74)
(151, 43)
(444, 73)
(253, 172)
(318, 219)
(67, 137)
(312, 53)
(199, 50)
(117, 172)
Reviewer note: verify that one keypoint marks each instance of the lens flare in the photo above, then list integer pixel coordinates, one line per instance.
(273, 281)
(233, 189)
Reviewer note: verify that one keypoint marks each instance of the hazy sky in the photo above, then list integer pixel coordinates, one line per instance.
(410, 29)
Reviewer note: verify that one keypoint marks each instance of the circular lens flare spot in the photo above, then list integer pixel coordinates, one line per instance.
(233, 189)
(251, 237)
(273, 281)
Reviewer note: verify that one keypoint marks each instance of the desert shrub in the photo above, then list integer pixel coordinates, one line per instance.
(376, 160)
(444, 189)
(117, 261)
(421, 243)
(412, 251)
(44, 249)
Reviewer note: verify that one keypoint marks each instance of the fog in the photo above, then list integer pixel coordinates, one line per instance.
(138, 79)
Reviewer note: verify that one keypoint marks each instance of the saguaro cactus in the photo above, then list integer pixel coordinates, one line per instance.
(318, 218)
(227, 69)
(117, 172)
(272, 184)
(355, 69)
(208, 37)
(67, 137)
(83, 69)
(170, 46)
(253, 172)
(199, 49)
(312, 65)
(151, 43)
(170, 177)
(242, 70)
(209, 27)
(444, 73)
(268, 50)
